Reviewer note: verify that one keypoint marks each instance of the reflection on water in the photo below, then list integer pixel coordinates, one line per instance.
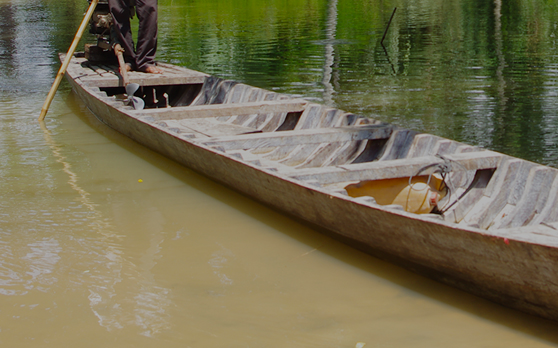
(91, 256)
(482, 72)
(329, 53)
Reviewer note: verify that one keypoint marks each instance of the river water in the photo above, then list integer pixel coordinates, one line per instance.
(104, 243)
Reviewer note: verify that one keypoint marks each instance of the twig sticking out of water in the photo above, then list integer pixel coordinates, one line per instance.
(387, 27)
(383, 37)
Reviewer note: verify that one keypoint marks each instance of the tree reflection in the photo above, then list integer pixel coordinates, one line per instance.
(469, 70)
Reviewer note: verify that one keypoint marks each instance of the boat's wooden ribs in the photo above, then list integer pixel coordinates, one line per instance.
(458, 210)
(516, 195)
(218, 110)
(311, 117)
(531, 202)
(395, 168)
(548, 211)
(297, 137)
(398, 145)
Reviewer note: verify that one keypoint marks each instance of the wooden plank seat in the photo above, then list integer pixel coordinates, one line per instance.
(206, 128)
(142, 79)
(218, 110)
(398, 168)
(297, 137)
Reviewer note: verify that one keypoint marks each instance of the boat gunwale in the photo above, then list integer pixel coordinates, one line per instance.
(294, 174)
(533, 234)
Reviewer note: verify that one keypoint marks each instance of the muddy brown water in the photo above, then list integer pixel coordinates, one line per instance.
(104, 243)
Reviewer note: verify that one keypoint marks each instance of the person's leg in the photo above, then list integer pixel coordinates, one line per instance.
(120, 10)
(147, 36)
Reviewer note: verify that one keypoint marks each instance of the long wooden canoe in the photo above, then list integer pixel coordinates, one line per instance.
(495, 233)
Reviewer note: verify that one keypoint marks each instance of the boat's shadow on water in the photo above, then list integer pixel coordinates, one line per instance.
(312, 236)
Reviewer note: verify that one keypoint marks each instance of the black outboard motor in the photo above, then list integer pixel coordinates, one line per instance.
(101, 25)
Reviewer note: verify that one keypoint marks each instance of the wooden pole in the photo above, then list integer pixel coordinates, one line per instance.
(67, 59)
(118, 50)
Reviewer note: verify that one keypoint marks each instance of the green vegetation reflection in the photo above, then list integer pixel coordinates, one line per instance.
(482, 72)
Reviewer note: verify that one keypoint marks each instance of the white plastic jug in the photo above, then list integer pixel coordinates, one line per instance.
(420, 196)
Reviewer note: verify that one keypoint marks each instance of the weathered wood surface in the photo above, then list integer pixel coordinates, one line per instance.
(398, 168)
(515, 266)
(103, 76)
(158, 80)
(522, 207)
(456, 211)
(218, 110)
(297, 137)
(213, 128)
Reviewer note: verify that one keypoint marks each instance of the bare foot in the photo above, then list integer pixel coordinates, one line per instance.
(152, 70)
(128, 68)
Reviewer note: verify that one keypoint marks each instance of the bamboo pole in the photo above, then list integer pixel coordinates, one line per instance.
(67, 59)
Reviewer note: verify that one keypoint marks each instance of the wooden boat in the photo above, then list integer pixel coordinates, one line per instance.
(494, 234)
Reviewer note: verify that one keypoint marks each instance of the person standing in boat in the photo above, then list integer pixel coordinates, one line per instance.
(142, 58)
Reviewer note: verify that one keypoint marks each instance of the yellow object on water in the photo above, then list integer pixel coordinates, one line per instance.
(139, 180)
(419, 196)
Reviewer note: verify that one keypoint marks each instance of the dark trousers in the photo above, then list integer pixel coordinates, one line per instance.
(143, 55)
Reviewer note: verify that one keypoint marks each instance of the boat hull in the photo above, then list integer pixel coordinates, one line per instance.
(518, 272)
